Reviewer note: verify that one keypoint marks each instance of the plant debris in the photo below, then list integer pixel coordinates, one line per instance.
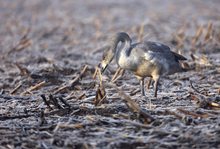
(52, 94)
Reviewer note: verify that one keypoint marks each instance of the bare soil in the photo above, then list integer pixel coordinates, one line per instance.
(49, 98)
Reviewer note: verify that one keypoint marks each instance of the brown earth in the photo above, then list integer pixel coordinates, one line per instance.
(49, 51)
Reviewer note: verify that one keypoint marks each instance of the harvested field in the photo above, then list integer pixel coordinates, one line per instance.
(53, 96)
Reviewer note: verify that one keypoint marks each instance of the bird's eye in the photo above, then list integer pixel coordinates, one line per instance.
(104, 55)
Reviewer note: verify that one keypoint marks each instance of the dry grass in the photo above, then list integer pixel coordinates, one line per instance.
(52, 95)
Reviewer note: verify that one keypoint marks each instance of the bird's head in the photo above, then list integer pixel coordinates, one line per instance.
(106, 59)
(110, 50)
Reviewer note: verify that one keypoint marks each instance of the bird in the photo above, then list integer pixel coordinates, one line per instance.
(143, 59)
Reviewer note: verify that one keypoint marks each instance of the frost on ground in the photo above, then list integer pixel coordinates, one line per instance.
(50, 97)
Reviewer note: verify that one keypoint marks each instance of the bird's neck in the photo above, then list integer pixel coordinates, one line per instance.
(126, 42)
(123, 52)
(123, 55)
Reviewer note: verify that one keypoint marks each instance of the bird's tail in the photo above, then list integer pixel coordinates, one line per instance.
(179, 57)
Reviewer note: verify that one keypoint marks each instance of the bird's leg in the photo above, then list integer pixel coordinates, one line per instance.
(143, 91)
(156, 80)
(149, 83)
(142, 87)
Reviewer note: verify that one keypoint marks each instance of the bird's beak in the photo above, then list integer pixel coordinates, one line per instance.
(103, 67)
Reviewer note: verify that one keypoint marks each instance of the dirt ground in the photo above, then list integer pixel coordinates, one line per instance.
(50, 98)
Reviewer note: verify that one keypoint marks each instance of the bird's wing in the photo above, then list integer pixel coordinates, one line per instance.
(152, 50)
(157, 47)
(157, 50)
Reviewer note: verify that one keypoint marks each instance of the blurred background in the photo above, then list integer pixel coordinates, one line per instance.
(67, 26)
(46, 44)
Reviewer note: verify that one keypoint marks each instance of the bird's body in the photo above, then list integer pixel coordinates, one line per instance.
(144, 59)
